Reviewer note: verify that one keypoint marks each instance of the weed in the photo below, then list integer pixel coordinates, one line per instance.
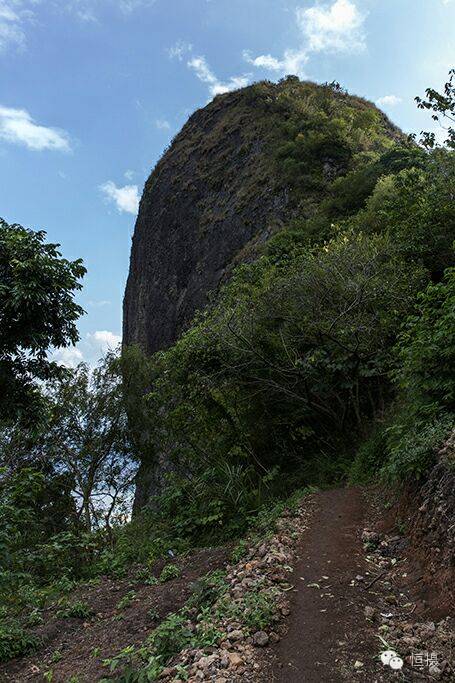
(15, 642)
(126, 601)
(170, 571)
(78, 610)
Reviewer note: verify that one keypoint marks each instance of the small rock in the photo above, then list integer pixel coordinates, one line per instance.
(236, 635)
(435, 671)
(358, 665)
(370, 537)
(235, 659)
(260, 638)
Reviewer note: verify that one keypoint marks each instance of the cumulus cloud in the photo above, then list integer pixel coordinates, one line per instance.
(291, 63)
(388, 101)
(179, 50)
(162, 124)
(18, 127)
(89, 350)
(125, 198)
(104, 340)
(70, 357)
(336, 27)
(216, 87)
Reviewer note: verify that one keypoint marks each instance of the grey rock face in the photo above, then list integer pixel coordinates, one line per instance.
(195, 216)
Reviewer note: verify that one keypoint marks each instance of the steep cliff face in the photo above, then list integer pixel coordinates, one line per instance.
(217, 192)
(197, 212)
(240, 169)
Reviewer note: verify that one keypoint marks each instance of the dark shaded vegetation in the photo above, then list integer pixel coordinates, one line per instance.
(37, 312)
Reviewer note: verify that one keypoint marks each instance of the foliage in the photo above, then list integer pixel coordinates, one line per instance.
(426, 347)
(443, 107)
(256, 611)
(15, 642)
(78, 610)
(126, 601)
(170, 571)
(415, 208)
(285, 369)
(87, 434)
(412, 443)
(37, 312)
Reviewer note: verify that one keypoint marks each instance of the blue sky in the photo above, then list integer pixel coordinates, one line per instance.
(92, 91)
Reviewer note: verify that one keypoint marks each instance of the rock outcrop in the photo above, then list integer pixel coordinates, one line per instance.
(240, 169)
(216, 193)
(432, 526)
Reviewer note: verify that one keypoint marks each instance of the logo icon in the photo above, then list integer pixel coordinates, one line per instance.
(392, 659)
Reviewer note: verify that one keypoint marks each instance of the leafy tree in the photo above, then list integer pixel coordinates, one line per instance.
(286, 369)
(443, 107)
(37, 312)
(87, 436)
(427, 348)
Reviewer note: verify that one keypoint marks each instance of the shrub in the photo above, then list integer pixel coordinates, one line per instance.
(78, 610)
(170, 571)
(15, 642)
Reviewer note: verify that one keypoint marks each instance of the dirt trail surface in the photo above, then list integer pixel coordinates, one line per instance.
(323, 617)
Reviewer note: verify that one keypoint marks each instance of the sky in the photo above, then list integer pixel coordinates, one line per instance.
(93, 91)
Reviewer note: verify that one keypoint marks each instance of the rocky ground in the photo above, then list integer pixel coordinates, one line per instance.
(334, 592)
(346, 595)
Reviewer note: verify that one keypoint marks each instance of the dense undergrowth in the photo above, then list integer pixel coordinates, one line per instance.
(329, 358)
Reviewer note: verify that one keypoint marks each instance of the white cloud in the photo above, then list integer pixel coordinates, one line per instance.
(18, 127)
(89, 350)
(162, 124)
(179, 50)
(86, 10)
(336, 28)
(291, 63)
(330, 28)
(104, 340)
(388, 101)
(69, 357)
(131, 5)
(129, 175)
(126, 198)
(11, 31)
(216, 87)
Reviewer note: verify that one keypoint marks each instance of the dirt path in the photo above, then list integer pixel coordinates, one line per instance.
(324, 620)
